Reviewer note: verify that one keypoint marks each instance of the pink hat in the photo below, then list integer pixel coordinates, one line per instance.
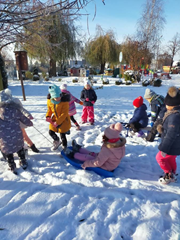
(113, 131)
(63, 87)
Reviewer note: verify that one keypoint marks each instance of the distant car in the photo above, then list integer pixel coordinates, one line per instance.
(62, 73)
(159, 71)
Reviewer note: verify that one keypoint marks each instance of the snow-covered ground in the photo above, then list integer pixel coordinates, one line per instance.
(52, 200)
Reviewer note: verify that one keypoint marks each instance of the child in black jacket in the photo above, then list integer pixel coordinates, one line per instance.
(170, 142)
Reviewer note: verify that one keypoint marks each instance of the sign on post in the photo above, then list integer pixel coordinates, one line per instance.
(120, 60)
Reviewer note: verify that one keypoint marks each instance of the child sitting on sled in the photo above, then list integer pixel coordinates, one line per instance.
(112, 150)
(72, 107)
(140, 118)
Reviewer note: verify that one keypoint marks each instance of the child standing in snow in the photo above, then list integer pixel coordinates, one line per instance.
(72, 107)
(170, 138)
(140, 118)
(88, 96)
(112, 150)
(58, 116)
(158, 110)
(11, 137)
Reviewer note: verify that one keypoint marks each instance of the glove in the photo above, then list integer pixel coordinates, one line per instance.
(151, 124)
(54, 124)
(127, 125)
(48, 119)
(93, 102)
(84, 165)
(31, 117)
(149, 115)
(87, 99)
(81, 103)
(163, 154)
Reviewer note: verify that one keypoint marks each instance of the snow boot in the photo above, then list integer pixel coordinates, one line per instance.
(168, 178)
(34, 148)
(75, 146)
(140, 133)
(12, 167)
(69, 153)
(23, 163)
(56, 144)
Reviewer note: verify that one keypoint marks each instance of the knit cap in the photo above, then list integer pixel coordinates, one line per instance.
(138, 102)
(173, 97)
(113, 131)
(63, 86)
(149, 93)
(5, 96)
(54, 91)
(87, 82)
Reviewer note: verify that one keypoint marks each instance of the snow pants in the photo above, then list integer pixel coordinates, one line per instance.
(167, 163)
(84, 155)
(88, 112)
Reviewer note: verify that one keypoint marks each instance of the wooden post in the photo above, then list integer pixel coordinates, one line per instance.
(21, 78)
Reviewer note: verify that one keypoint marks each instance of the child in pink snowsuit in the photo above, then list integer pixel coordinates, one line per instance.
(88, 96)
(72, 107)
(112, 150)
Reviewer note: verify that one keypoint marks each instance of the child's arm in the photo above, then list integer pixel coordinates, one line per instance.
(49, 111)
(74, 99)
(82, 96)
(22, 118)
(101, 158)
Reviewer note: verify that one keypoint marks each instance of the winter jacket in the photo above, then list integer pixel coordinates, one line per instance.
(11, 138)
(59, 113)
(158, 107)
(72, 107)
(109, 157)
(170, 130)
(88, 94)
(140, 116)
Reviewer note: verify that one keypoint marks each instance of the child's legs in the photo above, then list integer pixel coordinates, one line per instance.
(21, 154)
(91, 113)
(26, 138)
(84, 151)
(83, 157)
(173, 163)
(73, 120)
(135, 126)
(64, 140)
(164, 162)
(84, 114)
(53, 135)
(10, 159)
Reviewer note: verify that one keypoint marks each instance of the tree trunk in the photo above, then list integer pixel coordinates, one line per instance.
(52, 71)
(102, 68)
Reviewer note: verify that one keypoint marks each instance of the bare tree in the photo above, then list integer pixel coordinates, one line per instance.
(151, 24)
(15, 15)
(174, 47)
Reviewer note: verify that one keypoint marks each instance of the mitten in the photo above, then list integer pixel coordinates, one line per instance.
(31, 117)
(48, 119)
(81, 103)
(54, 124)
(93, 102)
(151, 124)
(84, 165)
(163, 154)
(127, 125)
(87, 99)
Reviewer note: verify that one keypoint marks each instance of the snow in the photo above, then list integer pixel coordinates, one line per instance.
(53, 200)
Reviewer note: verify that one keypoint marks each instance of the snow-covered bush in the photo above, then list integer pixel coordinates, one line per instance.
(118, 82)
(29, 75)
(75, 80)
(145, 83)
(105, 81)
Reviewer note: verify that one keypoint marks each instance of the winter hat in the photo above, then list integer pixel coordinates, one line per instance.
(5, 96)
(87, 82)
(138, 102)
(173, 97)
(63, 86)
(113, 131)
(54, 91)
(149, 93)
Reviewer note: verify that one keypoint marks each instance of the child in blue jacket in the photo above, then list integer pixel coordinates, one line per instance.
(140, 118)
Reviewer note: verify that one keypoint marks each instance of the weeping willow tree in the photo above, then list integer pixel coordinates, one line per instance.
(52, 41)
(102, 49)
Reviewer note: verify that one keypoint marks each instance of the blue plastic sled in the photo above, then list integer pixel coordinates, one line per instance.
(76, 163)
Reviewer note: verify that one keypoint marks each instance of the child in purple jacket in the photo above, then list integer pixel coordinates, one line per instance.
(72, 107)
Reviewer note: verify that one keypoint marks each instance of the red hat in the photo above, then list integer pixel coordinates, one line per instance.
(138, 102)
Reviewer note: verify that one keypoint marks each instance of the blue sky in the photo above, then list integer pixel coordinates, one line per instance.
(122, 16)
